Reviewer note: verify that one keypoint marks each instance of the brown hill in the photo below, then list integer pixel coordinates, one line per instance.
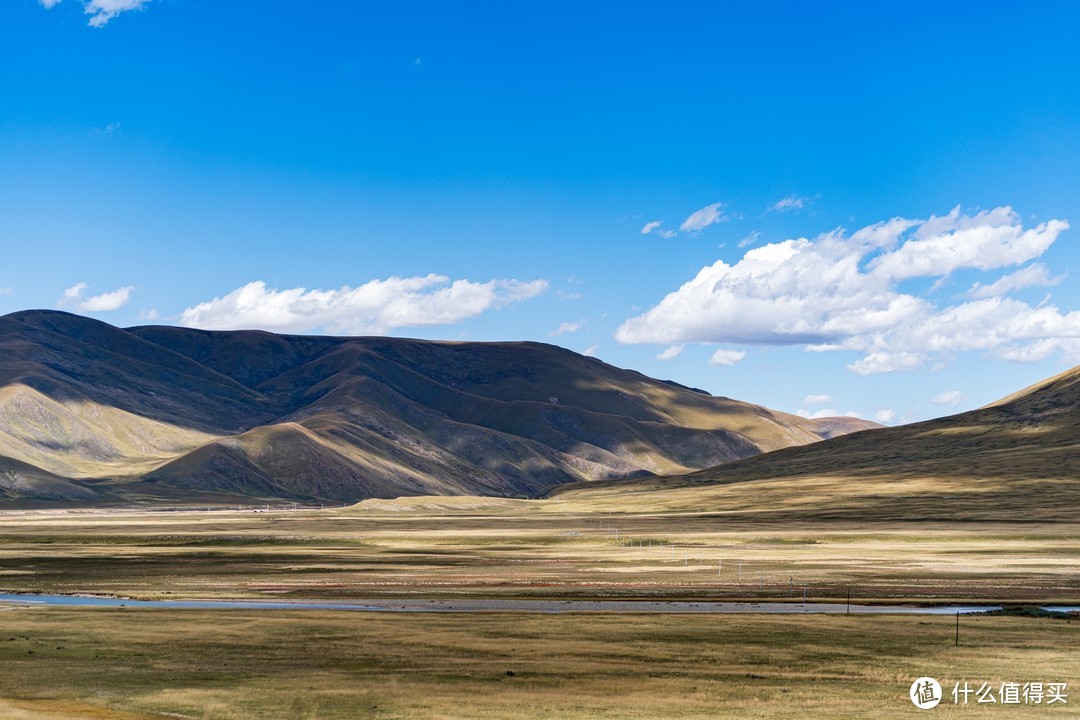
(1016, 459)
(149, 410)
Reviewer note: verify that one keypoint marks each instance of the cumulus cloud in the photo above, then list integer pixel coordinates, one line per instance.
(703, 218)
(826, 413)
(1033, 352)
(102, 11)
(842, 291)
(951, 398)
(1034, 275)
(74, 297)
(884, 416)
(885, 362)
(985, 241)
(375, 307)
(567, 327)
(590, 351)
(726, 358)
(671, 353)
(107, 301)
(151, 314)
(6, 291)
(817, 399)
(72, 293)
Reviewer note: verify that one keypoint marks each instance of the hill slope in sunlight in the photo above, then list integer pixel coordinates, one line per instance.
(1017, 459)
(110, 411)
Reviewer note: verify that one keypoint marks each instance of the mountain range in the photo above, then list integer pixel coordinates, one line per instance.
(1017, 459)
(94, 413)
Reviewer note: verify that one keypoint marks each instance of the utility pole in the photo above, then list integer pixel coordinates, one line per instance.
(957, 628)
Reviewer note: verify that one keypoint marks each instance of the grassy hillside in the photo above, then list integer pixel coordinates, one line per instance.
(153, 409)
(1018, 458)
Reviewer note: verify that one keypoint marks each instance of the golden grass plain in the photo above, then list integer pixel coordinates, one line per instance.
(466, 547)
(123, 664)
(63, 663)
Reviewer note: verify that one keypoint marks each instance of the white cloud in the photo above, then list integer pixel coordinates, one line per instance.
(653, 227)
(817, 399)
(1033, 352)
(703, 218)
(1034, 275)
(151, 314)
(884, 416)
(750, 239)
(102, 11)
(791, 202)
(377, 306)
(73, 298)
(952, 398)
(726, 358)
(72, 293)
(567, 327)
(6, 291)
(671, 353)
(884, 362)
(590, 351)
(986, 241)
(841, 292)
(107, 301)
(825, 413)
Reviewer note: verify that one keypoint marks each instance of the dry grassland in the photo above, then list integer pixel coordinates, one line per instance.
(125, 664)
(463, 547)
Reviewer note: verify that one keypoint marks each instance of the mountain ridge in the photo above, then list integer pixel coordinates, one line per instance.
(135, 410)
(1016, 457)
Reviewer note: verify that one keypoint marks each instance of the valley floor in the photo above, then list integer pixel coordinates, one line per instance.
(136, 663)
(125, 664)
(482, 547)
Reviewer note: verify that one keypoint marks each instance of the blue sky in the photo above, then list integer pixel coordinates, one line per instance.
(845, 209)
